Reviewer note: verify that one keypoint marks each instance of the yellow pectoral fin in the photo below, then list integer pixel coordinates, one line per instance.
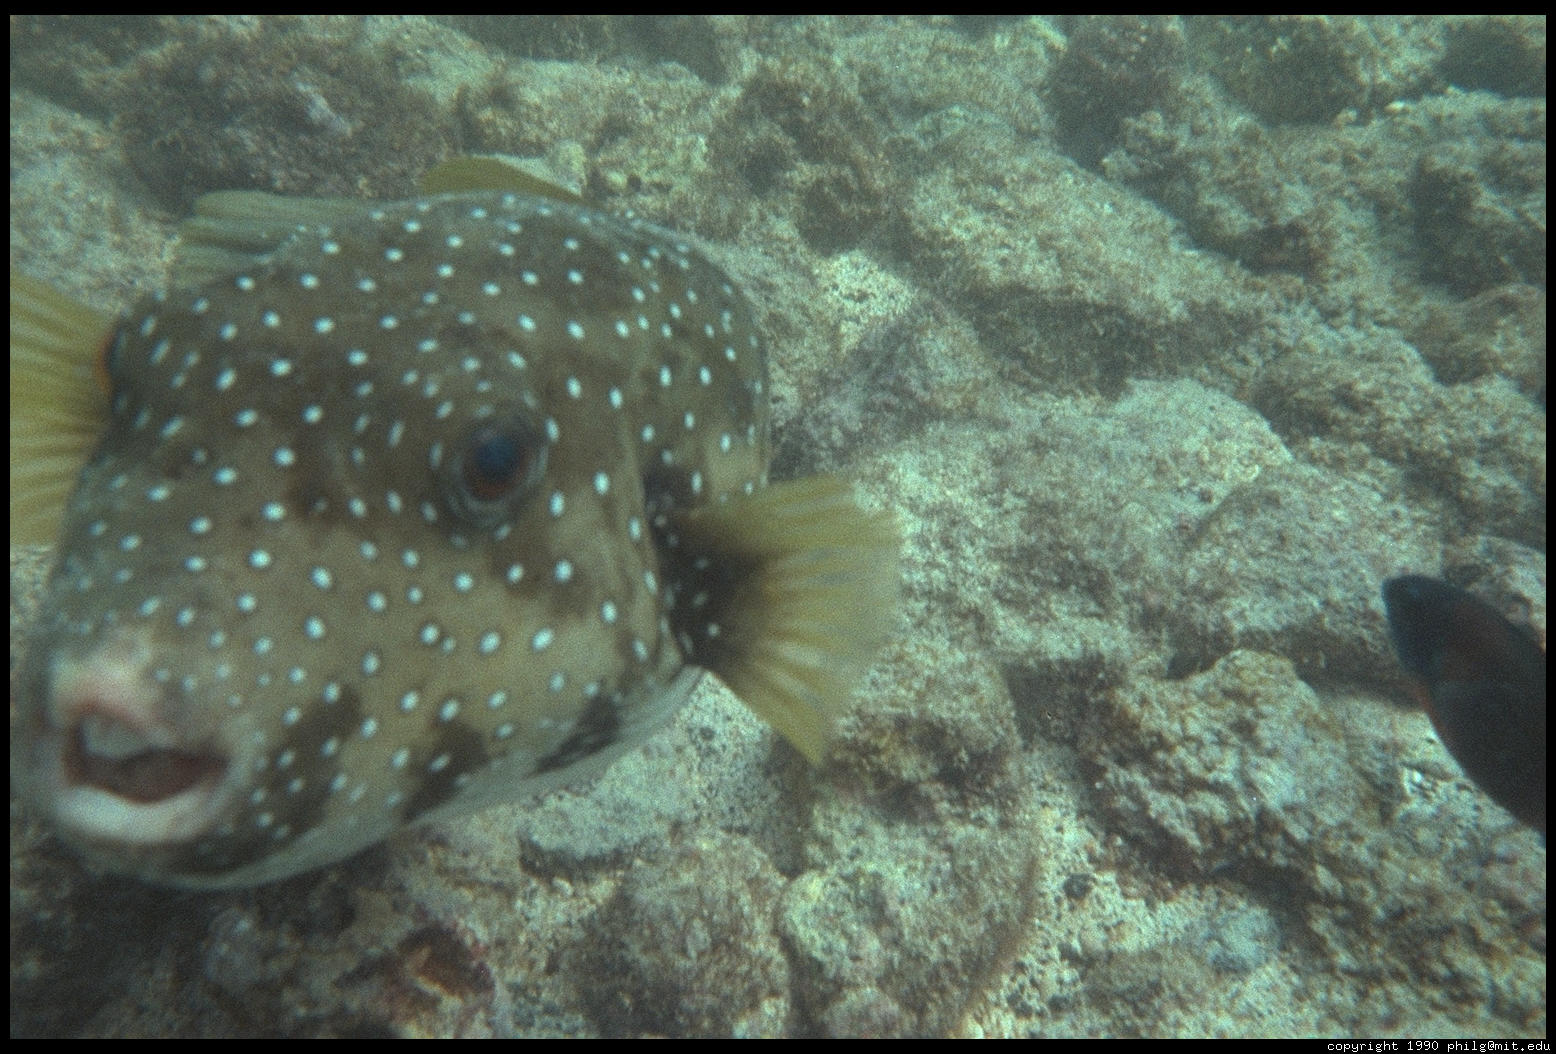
(809, 583)
(59, 402)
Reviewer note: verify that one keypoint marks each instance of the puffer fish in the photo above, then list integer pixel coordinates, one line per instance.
(392, 511)
(1482, 682)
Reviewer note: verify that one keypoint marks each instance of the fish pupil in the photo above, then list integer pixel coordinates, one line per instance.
(495, 465)
(498, 463)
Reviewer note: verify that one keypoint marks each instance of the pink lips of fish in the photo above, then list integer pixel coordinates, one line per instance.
(121, 762)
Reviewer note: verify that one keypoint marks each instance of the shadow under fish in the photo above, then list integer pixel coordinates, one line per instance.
(1481, 679)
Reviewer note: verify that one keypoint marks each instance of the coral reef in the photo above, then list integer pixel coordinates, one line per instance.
(1165, 340)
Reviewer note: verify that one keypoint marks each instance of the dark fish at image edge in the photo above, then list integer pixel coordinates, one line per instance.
(1482, 681)
(386, 512)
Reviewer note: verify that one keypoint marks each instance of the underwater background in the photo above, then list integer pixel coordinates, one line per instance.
(1167, 340)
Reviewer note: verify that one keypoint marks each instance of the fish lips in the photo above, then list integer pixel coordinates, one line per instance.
(116, 761)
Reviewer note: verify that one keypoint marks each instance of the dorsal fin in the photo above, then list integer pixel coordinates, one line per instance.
(459, 175)
(232, 231)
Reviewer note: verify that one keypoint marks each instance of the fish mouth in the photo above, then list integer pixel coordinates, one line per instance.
(121, 766)
(112, 756)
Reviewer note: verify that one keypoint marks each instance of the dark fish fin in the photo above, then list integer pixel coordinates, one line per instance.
(786, 594)
(232, 231)
(461, 175)
(59, 402)
(1482, 681)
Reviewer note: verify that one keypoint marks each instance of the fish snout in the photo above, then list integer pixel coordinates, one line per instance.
(123, 762)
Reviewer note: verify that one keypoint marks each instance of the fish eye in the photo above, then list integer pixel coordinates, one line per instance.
(493, 469)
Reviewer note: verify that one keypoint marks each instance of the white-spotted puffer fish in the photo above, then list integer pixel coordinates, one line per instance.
(403, 510)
